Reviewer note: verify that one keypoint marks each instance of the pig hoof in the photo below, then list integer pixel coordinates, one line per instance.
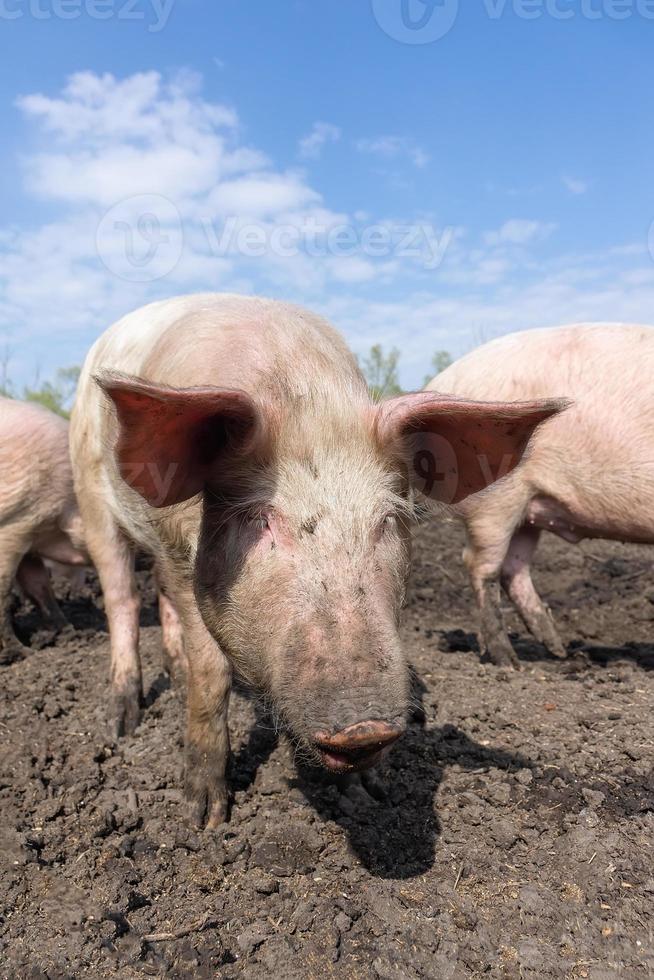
(502, 654)
(206, 793)
(374, 786)
(126, 712)
(208, 806)
(44, 638)
(11, 651)
(365, 786)
(57, 622)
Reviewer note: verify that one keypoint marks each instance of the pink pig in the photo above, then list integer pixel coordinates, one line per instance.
(589, 472)
(39, 518)
(235, 440)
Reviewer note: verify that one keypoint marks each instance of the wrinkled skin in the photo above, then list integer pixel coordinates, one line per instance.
(348, 583)
(39, 519)
(590, 470)
(235, 440)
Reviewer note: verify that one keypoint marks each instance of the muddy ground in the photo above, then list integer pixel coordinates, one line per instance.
(513, 836)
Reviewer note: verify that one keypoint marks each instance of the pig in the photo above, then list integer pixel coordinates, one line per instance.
(234, 439)
(589, 472)
(39, 517)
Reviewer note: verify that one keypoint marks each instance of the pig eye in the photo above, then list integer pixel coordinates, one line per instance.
(389, 523)
(261, 522)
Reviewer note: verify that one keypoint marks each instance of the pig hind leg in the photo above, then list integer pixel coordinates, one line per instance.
(113, 557)
(34, 579)
(174, 656)
(13, 544)
(490, 526)
(517, 582)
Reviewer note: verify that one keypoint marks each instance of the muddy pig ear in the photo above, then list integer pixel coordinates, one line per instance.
(453, 447)
(171, 439)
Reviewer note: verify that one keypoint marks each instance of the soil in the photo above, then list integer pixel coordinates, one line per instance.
(510, 834)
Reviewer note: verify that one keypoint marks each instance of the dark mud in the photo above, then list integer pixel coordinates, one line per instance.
(511, 834)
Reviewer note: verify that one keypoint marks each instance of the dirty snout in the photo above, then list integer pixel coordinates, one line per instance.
(351, 726)
(350, 685)
(358, 746)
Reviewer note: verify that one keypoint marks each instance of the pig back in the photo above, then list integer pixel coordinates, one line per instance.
(607, 370)
(35, 468)
(596, 458)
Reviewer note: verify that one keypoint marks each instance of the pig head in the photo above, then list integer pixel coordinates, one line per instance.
(303, 552)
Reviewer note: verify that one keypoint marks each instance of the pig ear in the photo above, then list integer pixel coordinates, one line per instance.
(172, 439)
(453, 447)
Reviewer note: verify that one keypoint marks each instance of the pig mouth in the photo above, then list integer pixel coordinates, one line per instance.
(356, 760)
(356, 747)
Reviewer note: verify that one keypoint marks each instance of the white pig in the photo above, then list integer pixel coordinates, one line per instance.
(589, 472)
(39, 518)
(234, 439)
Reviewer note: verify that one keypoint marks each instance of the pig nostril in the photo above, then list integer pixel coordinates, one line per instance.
(361, 738)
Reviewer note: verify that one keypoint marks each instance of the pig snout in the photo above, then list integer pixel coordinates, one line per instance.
(358, 746)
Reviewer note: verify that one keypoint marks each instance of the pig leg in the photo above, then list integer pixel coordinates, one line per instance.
(488, 543)
(207, 737)
(34, 579)
(516, 580)
(174, 655)
(113, 557)
(11, 551)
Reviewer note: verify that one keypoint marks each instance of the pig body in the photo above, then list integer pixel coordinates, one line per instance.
(235, 440)
(39, 518)
(589, 472)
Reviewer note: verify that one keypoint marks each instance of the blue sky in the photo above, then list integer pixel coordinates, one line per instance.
(422, 191)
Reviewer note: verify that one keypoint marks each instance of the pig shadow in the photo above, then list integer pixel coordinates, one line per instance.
(581, 654)
(392, 825)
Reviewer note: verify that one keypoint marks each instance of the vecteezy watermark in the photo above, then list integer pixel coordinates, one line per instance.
(141, 239)
(569, 9)
(416, 21)
(426, 21)
(420, 241)
(154, 13)
(436, 474)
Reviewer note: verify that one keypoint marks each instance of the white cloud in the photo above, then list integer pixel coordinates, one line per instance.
(390, 147)
(102, 142)
(518, 231)
(572, 289)
(575, 186)
(101, 109)
(311, 146)
(261, 195)
(111, 139)
(155, 185)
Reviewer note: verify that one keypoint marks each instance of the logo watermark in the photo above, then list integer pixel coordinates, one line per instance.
(141, 239)
(154, 13)
(571, 9)
(419, 241)
(437, 473)
(416, 21)
(426, 21)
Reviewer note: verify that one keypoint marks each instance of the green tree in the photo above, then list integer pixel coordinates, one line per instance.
(380, 371)
(55, 395)
(5, 383)
(440, 360)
